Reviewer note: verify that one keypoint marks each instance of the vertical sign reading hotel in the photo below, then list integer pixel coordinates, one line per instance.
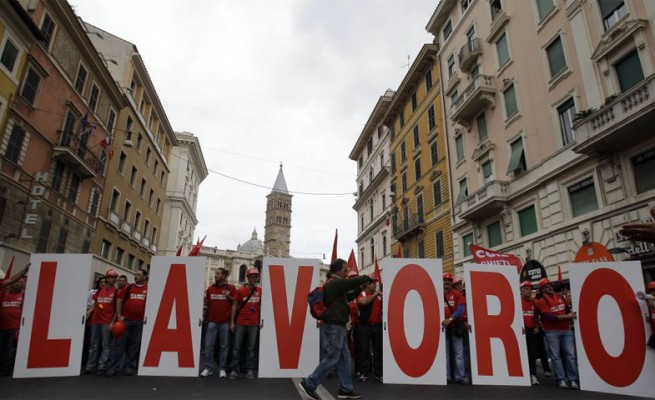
(171, 335)
(52, 328)
(289, 344)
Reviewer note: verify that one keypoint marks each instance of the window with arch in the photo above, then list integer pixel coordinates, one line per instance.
(242, 272)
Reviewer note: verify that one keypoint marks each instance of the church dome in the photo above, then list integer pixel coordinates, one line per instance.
(253, 245)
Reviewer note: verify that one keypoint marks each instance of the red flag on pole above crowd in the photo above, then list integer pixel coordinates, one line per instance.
(400, 251)
(352, 263)
(11, 265)
(196, 249)
(179, 251)
(486, 256)
(378, 276)
(334, 246)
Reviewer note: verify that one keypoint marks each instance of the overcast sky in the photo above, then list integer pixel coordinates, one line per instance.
(267, 81)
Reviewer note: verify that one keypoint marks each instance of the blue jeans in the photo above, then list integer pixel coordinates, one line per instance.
(129, 345)
(336, 352)
(457, 344)
(240, 332)
(559, 341)
(222, 331)
(99, 352)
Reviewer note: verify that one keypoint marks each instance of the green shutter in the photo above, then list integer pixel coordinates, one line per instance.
(544, 7)
(503, 50)
(528, 221)
(515, 159)
(510, 101)
(629, 71)
(494, 234)
(482, 128)
(583, 197)
(556, 59)
(644, 171)
(466, 240)
(459, 147)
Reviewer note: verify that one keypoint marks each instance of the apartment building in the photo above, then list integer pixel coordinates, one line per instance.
(420, 213)
(135, 188)
(548, 109)
(53, 144)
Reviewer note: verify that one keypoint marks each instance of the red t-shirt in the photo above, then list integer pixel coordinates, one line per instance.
(557, 305)
(529, 315)
(376, 308)
(354, 313)
(11, 309)
(220, 308)
(454, 298)
(652, 318)
(105, 306)
(134, 302)
(249, 314)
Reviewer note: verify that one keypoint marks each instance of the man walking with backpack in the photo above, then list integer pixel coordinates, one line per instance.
(336, 297)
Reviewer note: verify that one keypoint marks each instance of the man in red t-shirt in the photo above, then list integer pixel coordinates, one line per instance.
(454, 309)
(531, 327)
(370, 330)
(245, 322)
(130, 308)
(11, 310)
(556, 318)
(104, 306)
(218, 300)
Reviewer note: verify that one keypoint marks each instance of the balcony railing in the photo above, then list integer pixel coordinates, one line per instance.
(484, 202)
(404, 227)
(620, 123)
(127, 228)
(75, 152)
(477, 95)
(114, 219)
(469, 53)
(146, 242)
(137, 236)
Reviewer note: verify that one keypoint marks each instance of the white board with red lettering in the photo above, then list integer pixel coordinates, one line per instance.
(611, 330)
(413, 343)
(289, 338)
(52, 328)
(497, 344)
(170, 345)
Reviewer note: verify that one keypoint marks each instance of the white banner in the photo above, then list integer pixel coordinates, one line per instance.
(289, 338)
(52, 328)
(611, 330)
(497, 344)
(171, 335)
(414, 345)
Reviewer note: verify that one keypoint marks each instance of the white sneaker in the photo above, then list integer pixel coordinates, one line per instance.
(205, 373)
(562, 385)
(574, 385)
(534, 380)
(250, 374)
(234, 374)
(548, 374)
(222, 374)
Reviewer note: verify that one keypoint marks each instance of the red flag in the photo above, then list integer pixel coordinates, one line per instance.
(334, 246)
(378, 276)
(352, 263)
(559, 273)
(179, 251)
(486, 256)
(196, 248)
(11, 265)
(400, 251)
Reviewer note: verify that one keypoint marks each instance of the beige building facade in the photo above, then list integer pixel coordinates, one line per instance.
(548, 109)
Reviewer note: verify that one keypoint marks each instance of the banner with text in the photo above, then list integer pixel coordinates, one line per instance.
(52, 328)
(170, 344)
(289, 338)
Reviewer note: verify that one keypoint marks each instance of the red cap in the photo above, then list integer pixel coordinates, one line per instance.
(252, 271)
(526, 284)
(352, 274)
(448, 276)
(457, 280)
(651, 285)
(543, 282)
(111, 272)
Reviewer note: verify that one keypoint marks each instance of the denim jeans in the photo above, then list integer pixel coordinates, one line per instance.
(559, 341)
(455, 344)
(336, 352)
(222, 331)
(7, 350)
(240, 332)
(99, 352)
(129, 345)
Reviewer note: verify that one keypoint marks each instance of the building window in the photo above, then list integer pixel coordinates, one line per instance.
(494, 234)
(482, 128)
(360, 162)
(74, 187)
(44, 236)
(496, 8)
(404, 183)
(511, 107)
(432, 121)
(419, 208)
(105, 249)
(402, 118)
(643, 166)
(628, 71)
(556, 59)
(137, 220)
(158, 206)
(15, 144)
(61, 241)
(566, 114)
(487, 171)
(148, 156)
(151, 197)
(544, 7)
(393, 163)
(463, 192)
(612, 11)
(93, 97)
(428, 80)
(436, 191)
(380, 131)
(459, 147)
(142, 190)
(434, 153)
(121, 162)
(372, 250)
(440, 244)
(467, 241)
(417, 168)
(421, 249)
(139, 142)
(47, 29)
(583, 197)
(95, 201)
(403, 152)
(118, 255)
(502, 49)
(517, 162)
(528, 220)
(111, 119)
(9, 56)
(414, 102)
(115, 196)
(447, 30)
(80, 79)
(451, 65)
(31, 86)
(384, 244)
(417, 137)
(58, 175)
(130, 261)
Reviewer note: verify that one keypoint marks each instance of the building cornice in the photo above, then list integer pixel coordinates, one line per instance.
(374, 120)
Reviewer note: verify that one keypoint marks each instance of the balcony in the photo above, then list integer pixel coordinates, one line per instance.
(74, 152)
(137, 236)
(469, 53)
(622, 123)
(487, 201)
(146, 243)
(127, 228)
(114, 219)
(406, 227)
(478, 95)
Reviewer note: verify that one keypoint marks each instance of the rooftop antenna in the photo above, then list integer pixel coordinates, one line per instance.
(406, 65)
